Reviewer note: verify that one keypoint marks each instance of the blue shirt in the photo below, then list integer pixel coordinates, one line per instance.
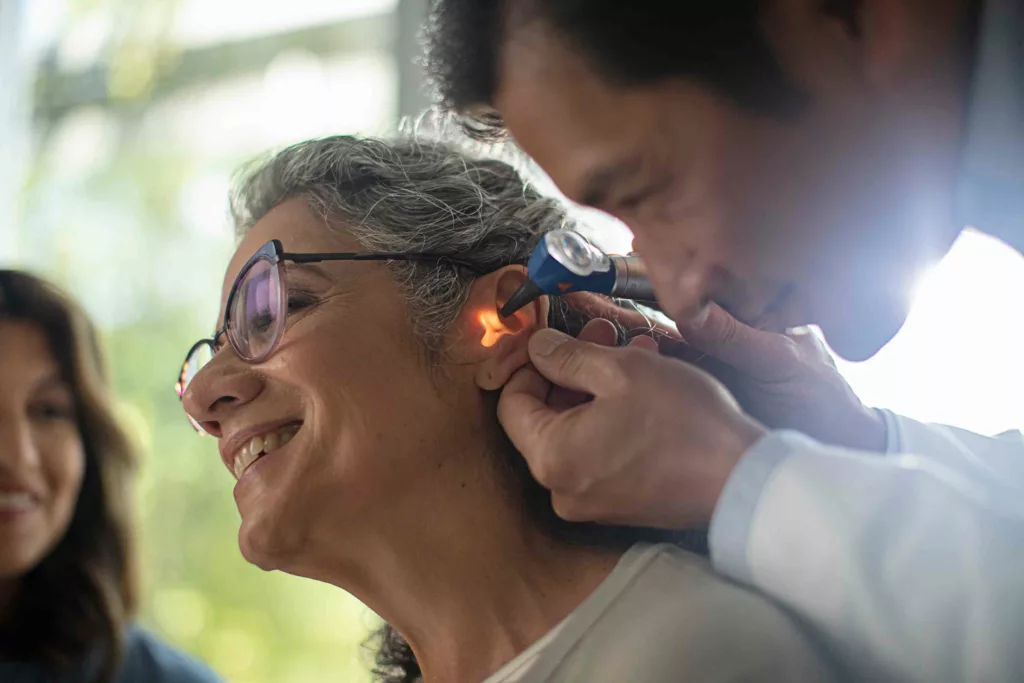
(146, 660)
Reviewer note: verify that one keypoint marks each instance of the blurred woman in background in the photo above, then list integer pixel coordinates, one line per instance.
(353, 388)
(67, 564)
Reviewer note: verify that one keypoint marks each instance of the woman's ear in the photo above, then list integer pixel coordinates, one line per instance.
(500, 343)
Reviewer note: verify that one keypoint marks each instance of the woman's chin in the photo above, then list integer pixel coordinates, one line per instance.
(262, 546)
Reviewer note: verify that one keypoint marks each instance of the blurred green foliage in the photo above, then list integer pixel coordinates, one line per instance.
(107, 213)
(199, 592)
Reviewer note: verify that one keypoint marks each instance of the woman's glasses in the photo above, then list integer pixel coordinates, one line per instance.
(257, 306)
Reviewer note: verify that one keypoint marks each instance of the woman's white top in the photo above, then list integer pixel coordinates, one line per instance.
(664, 616)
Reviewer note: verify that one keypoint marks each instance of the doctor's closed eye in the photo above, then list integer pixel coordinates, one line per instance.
(636, 199)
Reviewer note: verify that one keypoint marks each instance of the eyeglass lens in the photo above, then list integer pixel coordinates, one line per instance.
(256, 320)
(258, 311)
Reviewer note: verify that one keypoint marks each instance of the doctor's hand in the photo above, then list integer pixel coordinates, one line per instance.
(654, 446)
(784, 381)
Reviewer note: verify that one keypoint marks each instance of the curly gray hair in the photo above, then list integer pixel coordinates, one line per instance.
(408, 195)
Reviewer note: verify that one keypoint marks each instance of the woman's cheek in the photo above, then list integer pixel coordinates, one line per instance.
(64, 463)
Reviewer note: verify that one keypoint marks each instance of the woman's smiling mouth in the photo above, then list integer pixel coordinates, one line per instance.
(15, 503)
(262, 444)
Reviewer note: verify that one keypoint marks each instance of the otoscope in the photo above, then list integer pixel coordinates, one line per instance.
(565, 262)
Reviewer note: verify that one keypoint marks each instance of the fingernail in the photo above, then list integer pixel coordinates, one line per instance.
(544, 342)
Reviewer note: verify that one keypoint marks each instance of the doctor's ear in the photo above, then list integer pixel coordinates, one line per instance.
(498, 346)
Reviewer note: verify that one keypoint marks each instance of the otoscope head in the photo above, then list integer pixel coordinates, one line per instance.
(527, 293)
(564, 261)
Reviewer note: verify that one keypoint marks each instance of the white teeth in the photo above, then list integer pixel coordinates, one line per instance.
(248, 455)
(270, 442)
(259, 445)
(17, 501)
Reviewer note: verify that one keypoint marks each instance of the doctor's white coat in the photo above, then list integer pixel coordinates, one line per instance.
(911, 564)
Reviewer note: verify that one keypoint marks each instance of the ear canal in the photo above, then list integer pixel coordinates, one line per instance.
(494, 327)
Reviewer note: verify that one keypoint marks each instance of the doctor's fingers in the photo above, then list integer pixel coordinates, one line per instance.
(597, 331)
(633, 321)
(765, 356)
(548, 436)
(586, 367)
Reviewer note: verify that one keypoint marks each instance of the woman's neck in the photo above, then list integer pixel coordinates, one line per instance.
(467, 580)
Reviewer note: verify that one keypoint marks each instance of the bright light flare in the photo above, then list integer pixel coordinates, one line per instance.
(958, 360)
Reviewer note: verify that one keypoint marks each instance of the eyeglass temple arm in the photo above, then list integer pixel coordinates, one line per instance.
(381, 256)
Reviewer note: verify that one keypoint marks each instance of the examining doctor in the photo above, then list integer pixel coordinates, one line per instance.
(782, 163)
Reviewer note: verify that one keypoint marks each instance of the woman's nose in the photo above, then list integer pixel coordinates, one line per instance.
(17, 449)
(220, 388)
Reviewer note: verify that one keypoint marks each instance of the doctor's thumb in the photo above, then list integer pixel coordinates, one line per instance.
(725, 338)
(568, 362)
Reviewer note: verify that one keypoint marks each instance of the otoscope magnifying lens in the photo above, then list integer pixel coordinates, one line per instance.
(576, 249)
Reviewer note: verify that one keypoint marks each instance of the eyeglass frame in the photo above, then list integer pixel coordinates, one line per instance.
(274, 252)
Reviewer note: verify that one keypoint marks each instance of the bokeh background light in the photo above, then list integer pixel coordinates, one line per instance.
(121, 122)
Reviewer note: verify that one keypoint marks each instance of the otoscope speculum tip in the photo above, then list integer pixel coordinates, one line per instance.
(527, 293)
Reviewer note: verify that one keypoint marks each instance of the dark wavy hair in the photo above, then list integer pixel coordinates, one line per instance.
(70, 610)
(720, 44)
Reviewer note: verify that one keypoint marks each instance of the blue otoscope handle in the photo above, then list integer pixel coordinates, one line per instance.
(561, 263)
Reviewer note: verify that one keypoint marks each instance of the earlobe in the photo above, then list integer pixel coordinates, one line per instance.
(502, 341)
(508, 355)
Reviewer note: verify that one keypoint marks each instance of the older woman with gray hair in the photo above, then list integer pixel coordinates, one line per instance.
(352, 384)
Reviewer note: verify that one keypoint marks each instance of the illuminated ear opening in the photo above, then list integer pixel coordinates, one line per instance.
(494, 327)
(502, 341)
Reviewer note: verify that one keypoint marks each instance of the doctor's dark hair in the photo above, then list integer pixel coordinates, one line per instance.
(70, 611)
(406, 195)
(720, 44)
